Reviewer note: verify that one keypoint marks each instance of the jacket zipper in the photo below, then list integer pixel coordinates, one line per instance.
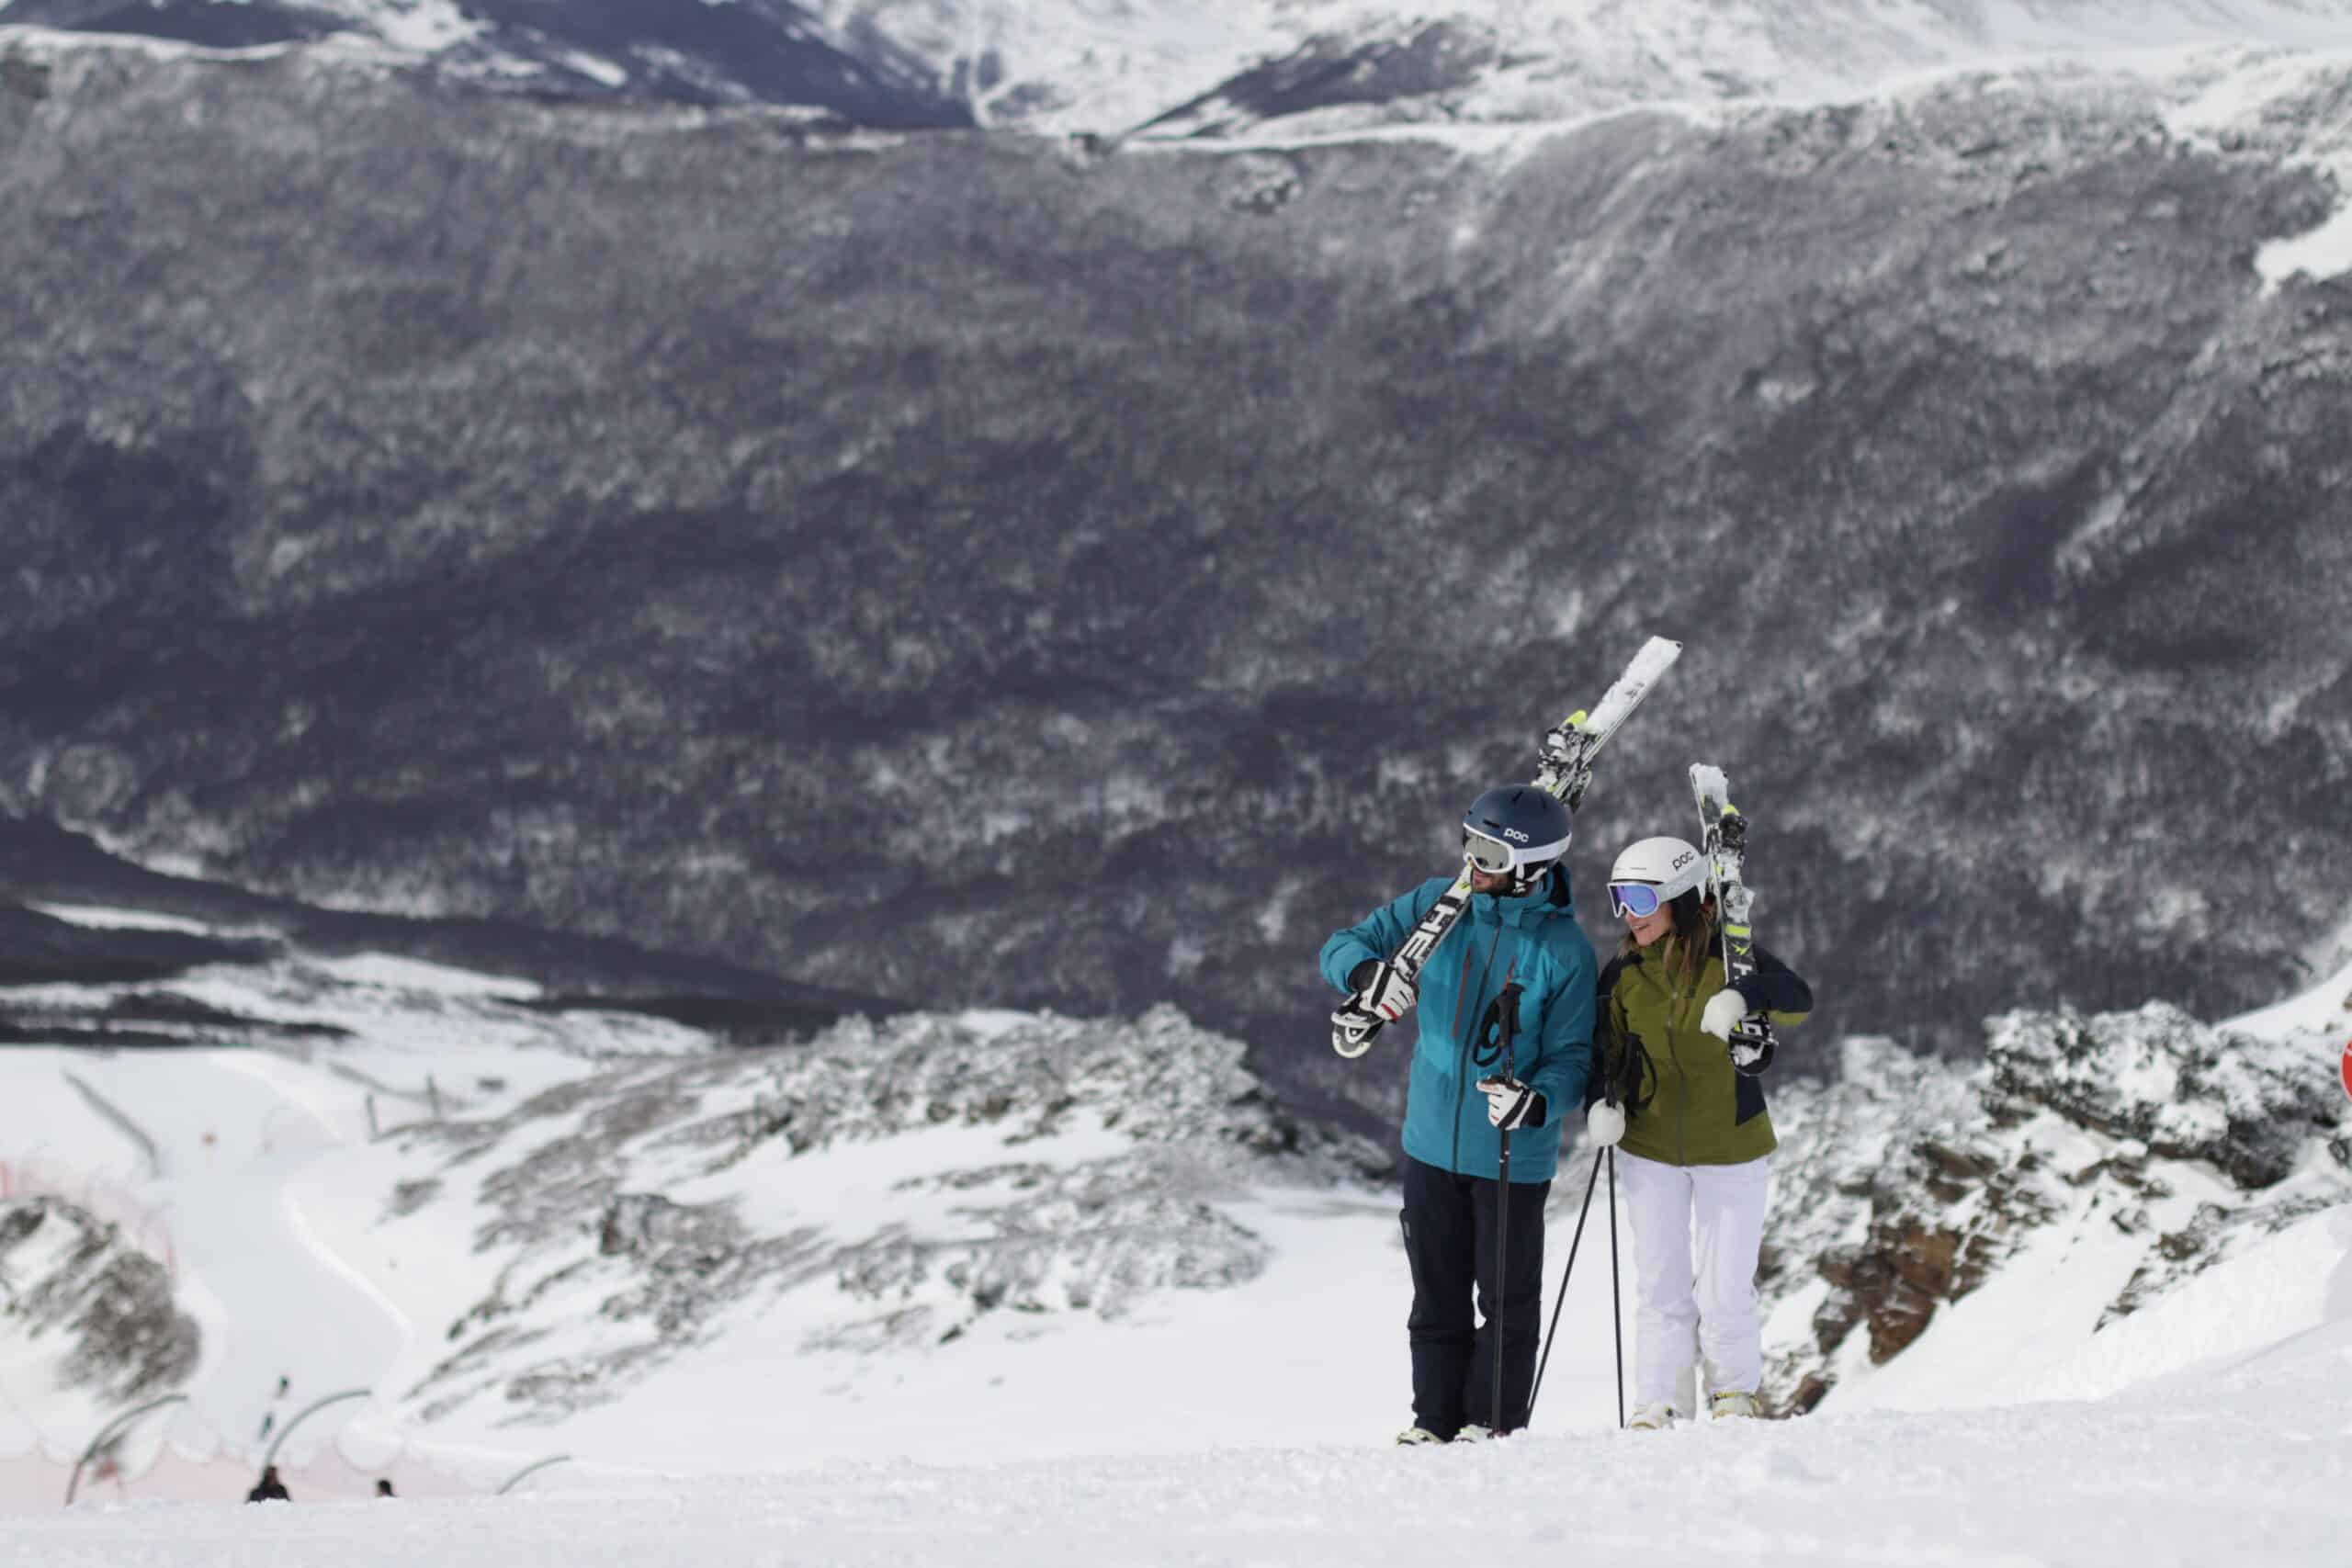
(1683, 1090)
(1462, 1061)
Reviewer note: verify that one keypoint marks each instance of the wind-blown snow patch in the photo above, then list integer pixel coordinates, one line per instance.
(2289, 1285)
(2300, 105)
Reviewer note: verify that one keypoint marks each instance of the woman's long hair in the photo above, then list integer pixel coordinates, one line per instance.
(1685, 947)
(1633, 1078)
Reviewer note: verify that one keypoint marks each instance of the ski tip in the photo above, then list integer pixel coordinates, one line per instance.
(1657, 656)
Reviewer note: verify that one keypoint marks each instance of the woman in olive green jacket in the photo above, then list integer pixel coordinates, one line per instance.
(1691, 1125)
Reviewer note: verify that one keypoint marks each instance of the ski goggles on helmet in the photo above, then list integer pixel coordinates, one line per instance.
(1638, 899)
(1487, 854)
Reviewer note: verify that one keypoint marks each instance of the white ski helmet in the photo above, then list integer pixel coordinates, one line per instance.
(1671, 865)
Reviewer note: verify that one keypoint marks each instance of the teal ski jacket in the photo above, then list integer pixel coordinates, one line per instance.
(1532, 941)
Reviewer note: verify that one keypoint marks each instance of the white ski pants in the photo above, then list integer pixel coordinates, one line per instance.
(1697, 1230)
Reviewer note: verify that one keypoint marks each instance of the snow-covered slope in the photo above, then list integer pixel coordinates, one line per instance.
(1948, 1236)
(1029, 1237)
(1350, 64)
(514, 1228)
(2241, 1459)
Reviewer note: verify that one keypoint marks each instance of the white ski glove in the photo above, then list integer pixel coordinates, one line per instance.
(1723, 1013)
(1510, 1103)
(1387, 995)
(1604, 1125)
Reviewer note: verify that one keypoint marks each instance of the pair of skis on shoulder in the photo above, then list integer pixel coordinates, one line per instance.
(1564, 770)
(1723, 839)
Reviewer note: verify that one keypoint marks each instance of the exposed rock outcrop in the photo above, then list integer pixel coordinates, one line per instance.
(1038, 1166)
(66, 1273)
(1910, 1183)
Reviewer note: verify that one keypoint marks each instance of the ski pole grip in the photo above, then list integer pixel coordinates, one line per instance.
(1351, 1032)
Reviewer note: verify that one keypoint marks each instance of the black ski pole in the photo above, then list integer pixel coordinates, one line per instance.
(1552, 1333)
(1499, 1030)
(1502, 1259)
(1616, 1319)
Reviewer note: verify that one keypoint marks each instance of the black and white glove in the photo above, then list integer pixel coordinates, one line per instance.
(1604, 1125)
(1510, 1103)
(1387, 995)
(1723, 1013)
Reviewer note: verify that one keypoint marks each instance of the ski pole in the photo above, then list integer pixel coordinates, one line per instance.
(1497, 1032)
(1502, 1259)
(1552, 1333)
(1616, 1320)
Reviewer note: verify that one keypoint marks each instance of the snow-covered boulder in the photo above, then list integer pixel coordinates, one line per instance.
(2158, 1077)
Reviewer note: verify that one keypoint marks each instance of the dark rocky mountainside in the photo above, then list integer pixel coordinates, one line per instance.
(107, 983)
(972, 570)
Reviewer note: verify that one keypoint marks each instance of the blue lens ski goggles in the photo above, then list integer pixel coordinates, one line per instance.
(1638, 899)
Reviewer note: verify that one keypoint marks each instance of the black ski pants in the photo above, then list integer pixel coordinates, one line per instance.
(1450, 1225)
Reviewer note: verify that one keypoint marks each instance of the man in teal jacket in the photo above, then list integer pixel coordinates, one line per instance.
(1520, 936)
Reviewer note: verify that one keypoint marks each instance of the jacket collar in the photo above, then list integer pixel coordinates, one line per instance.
(1549, 899)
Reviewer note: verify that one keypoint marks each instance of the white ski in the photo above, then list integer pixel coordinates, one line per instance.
(1723, 839)
(1564, 771)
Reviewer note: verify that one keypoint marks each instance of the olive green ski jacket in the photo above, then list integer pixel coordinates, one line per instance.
(1684, 1105)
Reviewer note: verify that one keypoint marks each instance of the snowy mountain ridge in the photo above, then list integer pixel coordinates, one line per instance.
(1193, 68)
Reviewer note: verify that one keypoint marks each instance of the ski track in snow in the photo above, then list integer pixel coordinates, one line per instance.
(273, 1302)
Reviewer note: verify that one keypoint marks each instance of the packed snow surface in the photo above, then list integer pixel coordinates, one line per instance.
(330, 1217)
(2249, 1461)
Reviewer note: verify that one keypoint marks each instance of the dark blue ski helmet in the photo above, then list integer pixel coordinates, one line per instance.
(1517, 828)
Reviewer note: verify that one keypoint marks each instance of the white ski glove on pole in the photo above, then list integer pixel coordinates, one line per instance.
(1604, 1125)
(1723, 1013)
(1510, 1103)
(1387, 995)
